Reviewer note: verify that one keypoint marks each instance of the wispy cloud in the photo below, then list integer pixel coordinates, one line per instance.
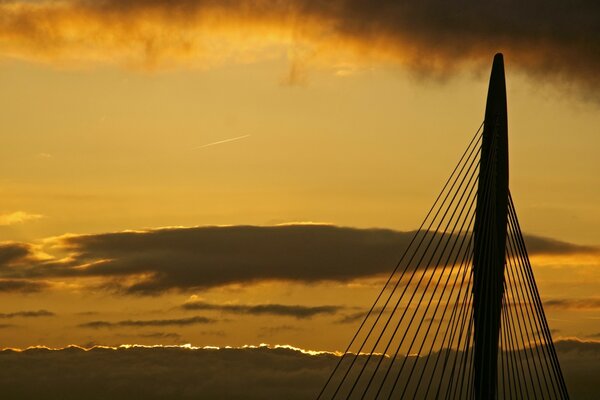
(222, 141)
(145, 323)
(17, 217)
(296, 311)
(160, 335)
(577, 304)
(27, 314)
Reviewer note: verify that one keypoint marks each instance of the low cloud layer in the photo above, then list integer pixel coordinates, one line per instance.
(147, 323)
(153, 261)
(548, 39)
(296, 311)
(235, 373)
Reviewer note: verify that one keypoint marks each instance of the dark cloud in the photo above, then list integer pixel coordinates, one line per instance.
(358, 316)
(13, 253)
(580, 362)
(153, 261)
(576, 346)
(13, 258)
(297, 311)
(22, 285)
(147, 323)
(27, 314)
(352, 317)
(544, 245)
(547, 39)
(591, 303)
(234, 373)
(204, 257)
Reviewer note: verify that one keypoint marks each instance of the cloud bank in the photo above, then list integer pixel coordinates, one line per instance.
(234, 373)
(548, 39)
(153, 261)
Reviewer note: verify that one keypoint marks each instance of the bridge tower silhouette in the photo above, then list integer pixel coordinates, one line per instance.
(460, 316)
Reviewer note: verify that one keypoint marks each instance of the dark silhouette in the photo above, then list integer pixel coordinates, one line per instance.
(490, 234)
(460, 316)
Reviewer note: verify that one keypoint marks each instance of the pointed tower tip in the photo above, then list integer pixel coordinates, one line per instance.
(497, 69)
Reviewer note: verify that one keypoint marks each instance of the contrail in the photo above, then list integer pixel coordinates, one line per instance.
(222, 141)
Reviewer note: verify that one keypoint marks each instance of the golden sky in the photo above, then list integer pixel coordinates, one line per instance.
(130, 127)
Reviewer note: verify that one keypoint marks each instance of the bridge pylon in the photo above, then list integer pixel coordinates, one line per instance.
(491, 218)
(460, 315)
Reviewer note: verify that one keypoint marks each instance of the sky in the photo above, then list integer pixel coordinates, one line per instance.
(244, 172)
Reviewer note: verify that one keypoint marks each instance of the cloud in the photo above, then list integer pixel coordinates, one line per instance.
(353, 317)
(296, 311)
(27, 314)
(358, 316)
(594, 335)
(150, 262)
(227, 373)
(146, 323)
(577, 346)
(570, 304)
(21, 285)
(160, 335)
(17, 217)
(12, 253)
(543, 245)
(546, 39)
(204, 257)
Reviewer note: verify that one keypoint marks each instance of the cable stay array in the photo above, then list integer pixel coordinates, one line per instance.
(419, 340)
